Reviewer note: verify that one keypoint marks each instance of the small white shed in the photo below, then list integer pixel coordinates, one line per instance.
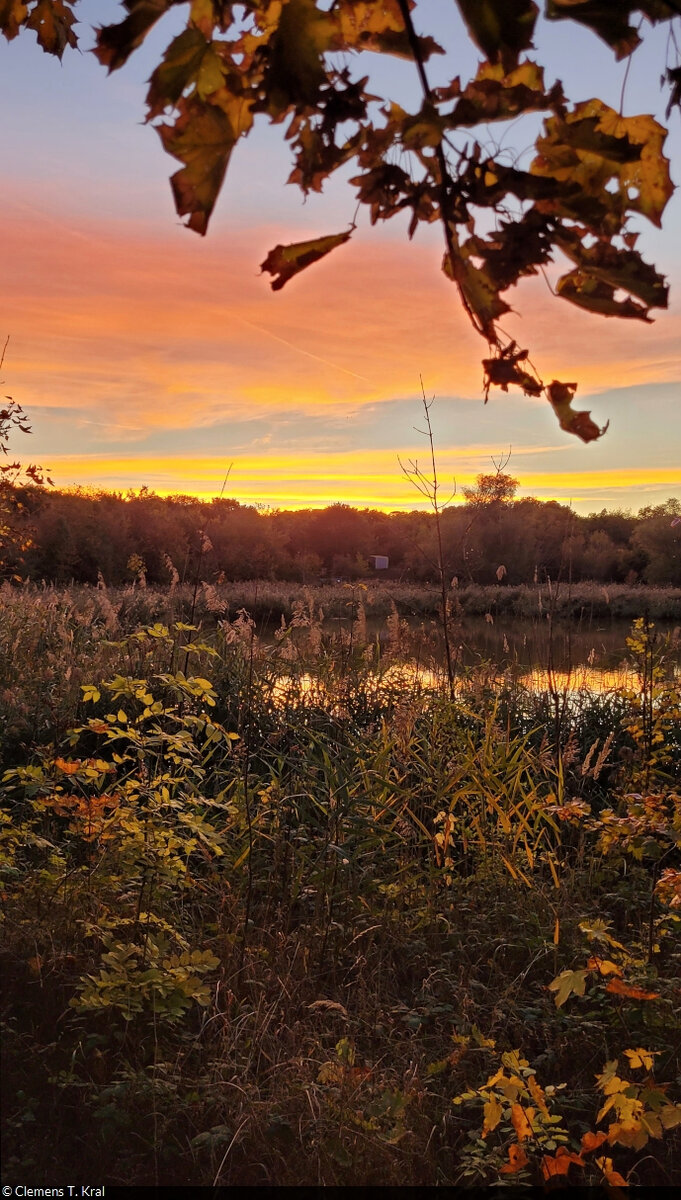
(379, 561)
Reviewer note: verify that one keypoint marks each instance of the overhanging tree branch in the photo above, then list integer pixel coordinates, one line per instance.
(593, 167)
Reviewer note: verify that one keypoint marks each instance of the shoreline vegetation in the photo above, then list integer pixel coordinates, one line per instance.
(267, 601)
(83, 536)
(256, 932)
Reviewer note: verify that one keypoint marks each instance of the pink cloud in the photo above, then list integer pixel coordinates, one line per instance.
(164, 330)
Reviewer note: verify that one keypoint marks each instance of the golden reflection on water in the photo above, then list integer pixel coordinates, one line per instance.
(421, 679)
(581, 679)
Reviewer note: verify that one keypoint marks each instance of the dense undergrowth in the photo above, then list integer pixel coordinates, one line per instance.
(282, 914)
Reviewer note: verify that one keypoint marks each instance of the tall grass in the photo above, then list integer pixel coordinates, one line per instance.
(284, 901)
(268, 601)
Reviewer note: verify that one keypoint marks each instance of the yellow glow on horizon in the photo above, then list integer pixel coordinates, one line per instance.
(361, 478)
(135, 343)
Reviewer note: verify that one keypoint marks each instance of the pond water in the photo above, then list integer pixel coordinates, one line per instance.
(582, 651)
(592, 657)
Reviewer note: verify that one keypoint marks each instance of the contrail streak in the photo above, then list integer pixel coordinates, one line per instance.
(299, 350)
(49, 218)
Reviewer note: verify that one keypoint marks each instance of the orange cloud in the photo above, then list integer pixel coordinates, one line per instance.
(172, 332)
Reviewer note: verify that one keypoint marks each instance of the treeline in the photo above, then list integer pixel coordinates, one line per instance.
(85, 536)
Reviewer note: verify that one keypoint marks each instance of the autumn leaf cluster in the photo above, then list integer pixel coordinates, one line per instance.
(291, 61)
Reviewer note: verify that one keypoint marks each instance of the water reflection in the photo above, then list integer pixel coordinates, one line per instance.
(419, 679)
(530, 644)
(586, 658)
(582, 679)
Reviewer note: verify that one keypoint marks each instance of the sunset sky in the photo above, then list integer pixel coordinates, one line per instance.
(145, 355)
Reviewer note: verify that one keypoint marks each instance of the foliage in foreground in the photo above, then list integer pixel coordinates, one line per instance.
(260, 930)
(293, 60)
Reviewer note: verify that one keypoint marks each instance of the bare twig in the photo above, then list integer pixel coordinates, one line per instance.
(429, 487)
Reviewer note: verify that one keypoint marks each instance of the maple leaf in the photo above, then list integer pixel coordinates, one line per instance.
(377, 25)
(624, 269)
(202, 15)
(517, 1159)
(609, 21)
(618, 987)
(178, 69)
(573, 421)
(424, 129)
(477, 288)
(52, 20)
(316, 153)
(559, 1164)
(641, 1059)
(629, 1132)
(501, 28)
(597, 296)
(592, 1141)
(203, 139)
(670, 1116)
(115, 43)
(286, 261)
(515, 248)
(13, 14)
(494, 95)
(597, 931)
(386, 188)
(567, 983)
(592, 146)
(295, 71)
(503, 370)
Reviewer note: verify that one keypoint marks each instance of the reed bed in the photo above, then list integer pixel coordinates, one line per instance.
(267, 601)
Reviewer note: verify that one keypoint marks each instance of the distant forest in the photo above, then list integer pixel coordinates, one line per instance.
(89, 536)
